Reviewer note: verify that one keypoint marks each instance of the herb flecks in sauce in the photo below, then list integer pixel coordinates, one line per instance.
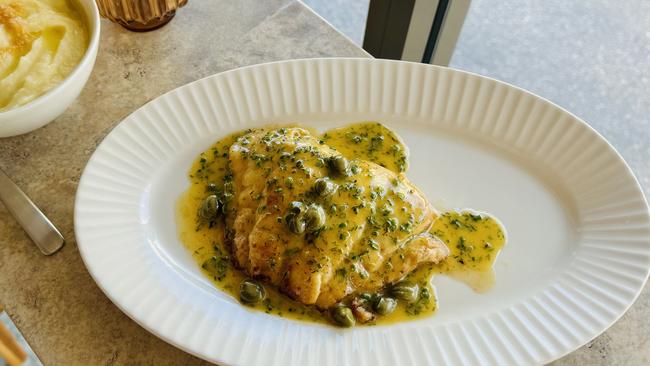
(353, 204)
(370, 141)
(474, 240)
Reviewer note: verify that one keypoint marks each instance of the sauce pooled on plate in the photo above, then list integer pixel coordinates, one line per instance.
(378, 210)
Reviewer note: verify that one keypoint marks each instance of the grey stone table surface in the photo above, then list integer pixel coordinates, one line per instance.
(53, 300)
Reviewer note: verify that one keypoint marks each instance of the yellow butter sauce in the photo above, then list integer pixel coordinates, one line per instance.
(370, 141)
(206, 241)
(474, 239)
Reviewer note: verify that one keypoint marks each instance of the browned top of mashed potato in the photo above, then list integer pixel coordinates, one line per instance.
(41, 42)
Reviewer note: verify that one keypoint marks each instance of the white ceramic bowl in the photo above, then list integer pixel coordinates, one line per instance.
(50, 105)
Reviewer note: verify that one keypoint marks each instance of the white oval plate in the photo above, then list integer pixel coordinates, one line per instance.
(578, 226)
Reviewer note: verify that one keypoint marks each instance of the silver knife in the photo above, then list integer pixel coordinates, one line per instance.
(39, 228)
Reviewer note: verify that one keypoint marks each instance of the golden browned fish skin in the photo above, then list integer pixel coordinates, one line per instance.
(375, 227)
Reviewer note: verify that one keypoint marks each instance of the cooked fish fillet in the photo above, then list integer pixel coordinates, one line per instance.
(372, 231)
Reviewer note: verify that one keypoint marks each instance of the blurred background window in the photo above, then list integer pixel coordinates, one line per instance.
(590, 57)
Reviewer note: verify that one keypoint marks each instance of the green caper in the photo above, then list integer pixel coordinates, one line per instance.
(295, 218)
(228, 186)
(210, 207)
(226, 197)
(405, 290)
(366, 296)
(324, 187)
(384, 305)
(342, 316)
(295, 207)
(296, 223)
(314, 217)
(338, 165)
(251, 292)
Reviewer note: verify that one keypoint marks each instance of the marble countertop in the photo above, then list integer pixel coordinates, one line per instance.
(53, 300)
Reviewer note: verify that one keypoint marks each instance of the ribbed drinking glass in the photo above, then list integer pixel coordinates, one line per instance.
(139, 15)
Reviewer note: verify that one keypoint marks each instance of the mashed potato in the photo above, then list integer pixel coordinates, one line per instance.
(41, 42)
